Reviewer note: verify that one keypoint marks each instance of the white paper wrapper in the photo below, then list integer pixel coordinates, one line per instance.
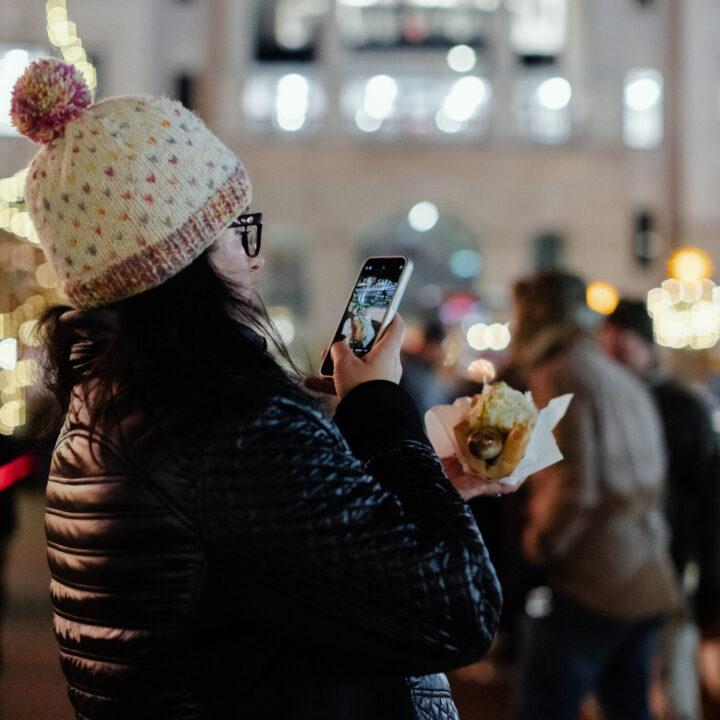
(542, 450)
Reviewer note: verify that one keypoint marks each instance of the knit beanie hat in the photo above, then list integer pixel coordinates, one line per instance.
(124, 193)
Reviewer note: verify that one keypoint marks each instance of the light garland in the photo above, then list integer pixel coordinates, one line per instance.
(686, 314)
(14, 219)
(62, 34)
(686, 308)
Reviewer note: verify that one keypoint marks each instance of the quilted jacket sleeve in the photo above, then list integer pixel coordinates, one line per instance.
(373, 560)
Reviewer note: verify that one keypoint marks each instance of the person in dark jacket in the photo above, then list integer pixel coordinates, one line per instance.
(692, 500)
(218, 547)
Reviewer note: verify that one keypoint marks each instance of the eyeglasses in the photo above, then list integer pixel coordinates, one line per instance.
(250, 229)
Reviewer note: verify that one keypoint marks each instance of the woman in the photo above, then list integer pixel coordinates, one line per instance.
(218, 547)
(594, 523)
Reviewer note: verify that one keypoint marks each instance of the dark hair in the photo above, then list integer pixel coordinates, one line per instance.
(176, 344)
(550, 310)
(633, 315)
(548, 298)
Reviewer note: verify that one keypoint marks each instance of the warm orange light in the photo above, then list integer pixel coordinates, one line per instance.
(688, 264)
(602, 297)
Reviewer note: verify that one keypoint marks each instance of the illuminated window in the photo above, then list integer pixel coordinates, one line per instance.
(417, 106)
(283, 101)
(538, 29)
(384, 24)
(643, 108)
(288, 29)
(543, 106)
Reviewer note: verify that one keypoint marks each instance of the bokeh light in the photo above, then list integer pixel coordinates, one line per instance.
(380, 94)
(8, 353)
(465, 263)
(488, 337)
(643, 93)
(461, 58)
(602, 297)
(689, 264)
(555, 93)
(423, 216)
(686, 314)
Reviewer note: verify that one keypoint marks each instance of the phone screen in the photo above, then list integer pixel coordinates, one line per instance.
(369, 301)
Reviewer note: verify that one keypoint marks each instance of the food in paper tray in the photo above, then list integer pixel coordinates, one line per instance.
(495, 430)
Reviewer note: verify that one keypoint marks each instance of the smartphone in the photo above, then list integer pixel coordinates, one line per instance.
(373, 301)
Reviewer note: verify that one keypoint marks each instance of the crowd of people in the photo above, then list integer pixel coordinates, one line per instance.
(271, 562)
(620, 540)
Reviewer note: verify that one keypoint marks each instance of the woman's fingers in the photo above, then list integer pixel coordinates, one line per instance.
(340, 352)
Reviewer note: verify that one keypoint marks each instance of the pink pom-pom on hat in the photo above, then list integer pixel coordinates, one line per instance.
(46, 98)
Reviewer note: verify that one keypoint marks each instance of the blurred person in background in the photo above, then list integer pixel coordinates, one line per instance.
(218, 547)
(594, 526)
(692, 503)
(422, 363)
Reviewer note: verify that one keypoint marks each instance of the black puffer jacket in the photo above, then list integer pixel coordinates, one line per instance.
(263, 562)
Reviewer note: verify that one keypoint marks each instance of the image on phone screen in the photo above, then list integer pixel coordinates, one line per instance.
(369, 302)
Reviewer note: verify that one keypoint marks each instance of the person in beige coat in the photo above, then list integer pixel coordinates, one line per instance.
(594, 521)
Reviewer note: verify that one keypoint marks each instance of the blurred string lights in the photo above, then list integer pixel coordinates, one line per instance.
(17, 328)
(62, 34)
(686, 307)
(496, 336)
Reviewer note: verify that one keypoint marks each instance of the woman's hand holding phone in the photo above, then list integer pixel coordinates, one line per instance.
(381, 363)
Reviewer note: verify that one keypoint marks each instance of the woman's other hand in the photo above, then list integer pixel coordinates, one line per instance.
(472, 486)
